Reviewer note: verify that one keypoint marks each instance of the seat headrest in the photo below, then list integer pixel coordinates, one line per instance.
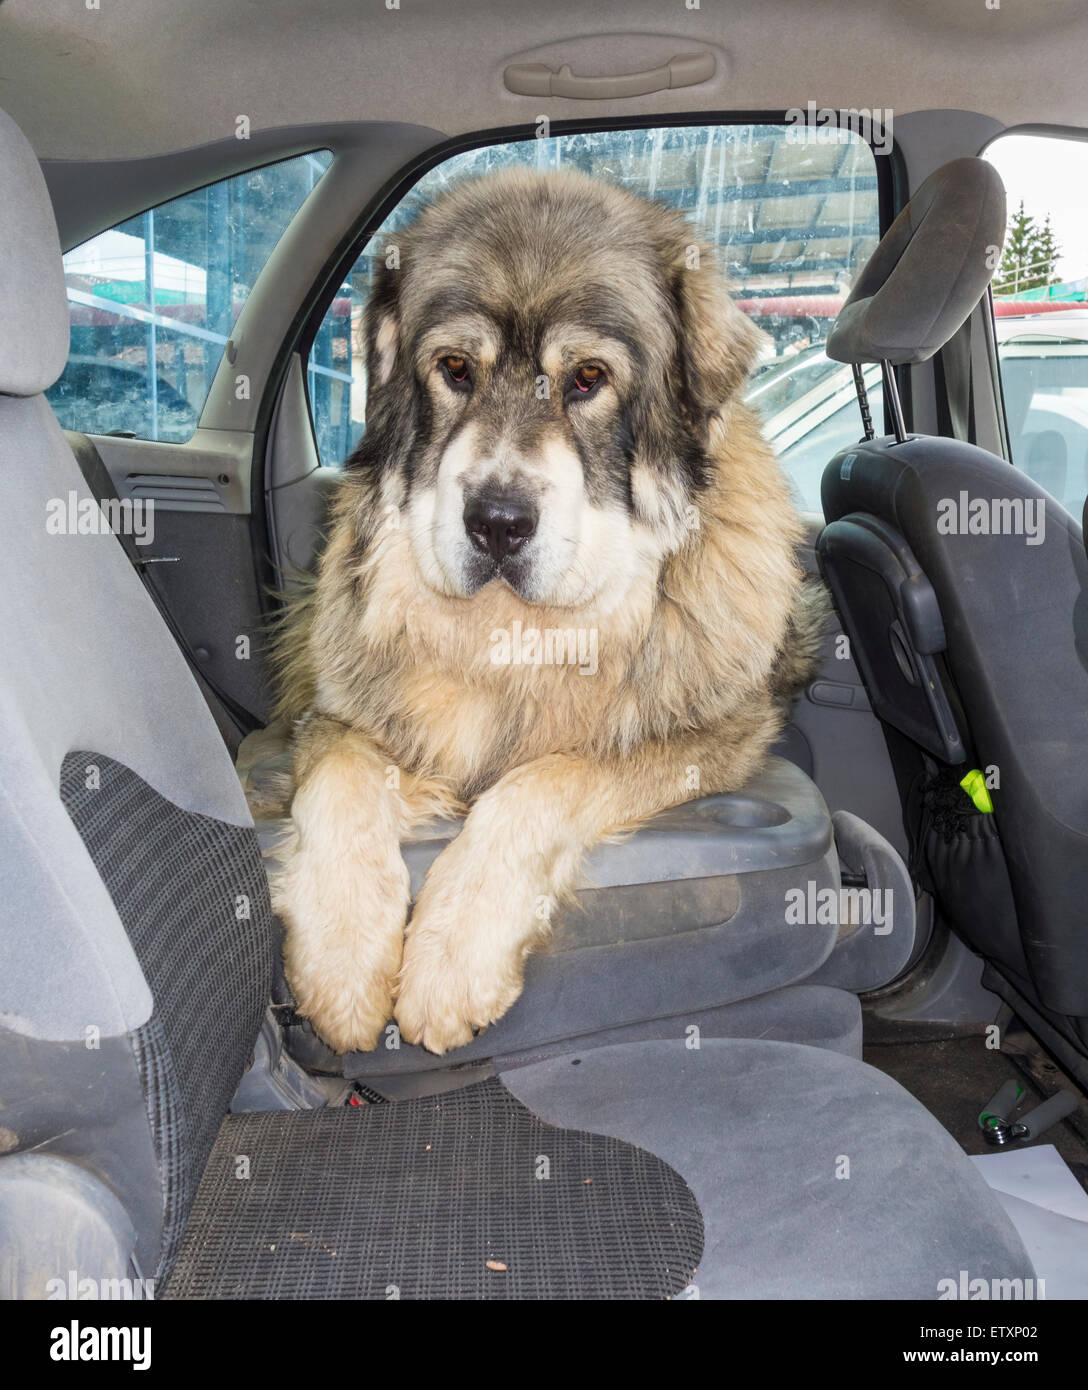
(929, 271)
(33, 301)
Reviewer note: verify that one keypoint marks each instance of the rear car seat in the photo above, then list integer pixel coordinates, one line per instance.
(138, 950)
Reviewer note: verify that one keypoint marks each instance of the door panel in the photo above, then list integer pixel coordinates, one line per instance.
(200, 555)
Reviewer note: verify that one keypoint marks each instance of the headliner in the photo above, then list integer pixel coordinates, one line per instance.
(147, 78)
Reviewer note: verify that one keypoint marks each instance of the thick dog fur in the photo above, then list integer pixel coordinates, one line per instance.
(663, 526)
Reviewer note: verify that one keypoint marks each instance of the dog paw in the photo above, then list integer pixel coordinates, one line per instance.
(344, 938)
(442, 1004)
(348, 1011)
(464, 956)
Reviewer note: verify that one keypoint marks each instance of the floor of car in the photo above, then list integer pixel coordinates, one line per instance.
(952, 1072)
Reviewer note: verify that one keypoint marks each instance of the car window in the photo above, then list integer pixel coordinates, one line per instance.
(1041, 310)
(809, 407)
(152, 301)
(793, 211)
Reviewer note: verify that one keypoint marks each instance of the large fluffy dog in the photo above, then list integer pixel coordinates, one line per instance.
(559, 590)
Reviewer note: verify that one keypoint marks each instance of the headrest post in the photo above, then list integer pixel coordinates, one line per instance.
(863, 400)
(891, 395)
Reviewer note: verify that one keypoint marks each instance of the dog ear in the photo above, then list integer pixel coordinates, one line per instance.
(719, 343)
(382, 327)
(391, 395)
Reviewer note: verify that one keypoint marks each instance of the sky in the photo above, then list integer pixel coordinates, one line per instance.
(1050, 175)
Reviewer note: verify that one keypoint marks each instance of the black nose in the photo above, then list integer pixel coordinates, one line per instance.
(499, 524)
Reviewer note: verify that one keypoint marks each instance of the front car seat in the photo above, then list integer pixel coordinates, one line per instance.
(137, 952)
(963, 587)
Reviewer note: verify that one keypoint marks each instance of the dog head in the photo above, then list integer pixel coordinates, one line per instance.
(544, 354)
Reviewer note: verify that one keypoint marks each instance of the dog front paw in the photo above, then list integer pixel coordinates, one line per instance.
(443, 1002)
(464, 956)
(344, 938)
(349, 1006)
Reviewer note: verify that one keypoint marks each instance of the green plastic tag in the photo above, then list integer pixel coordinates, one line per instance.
(974, 784)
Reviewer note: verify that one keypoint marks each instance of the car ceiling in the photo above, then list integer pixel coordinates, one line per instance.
(141, 77)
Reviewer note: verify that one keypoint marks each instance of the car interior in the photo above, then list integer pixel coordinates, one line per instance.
(786, 1043)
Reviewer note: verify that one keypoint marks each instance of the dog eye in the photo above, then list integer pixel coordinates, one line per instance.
(584, 382)
(455, 370)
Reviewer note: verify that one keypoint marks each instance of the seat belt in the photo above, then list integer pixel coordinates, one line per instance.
(955, 389)
(97, 477)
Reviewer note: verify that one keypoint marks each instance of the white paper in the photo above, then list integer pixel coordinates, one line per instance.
(1049, 1209)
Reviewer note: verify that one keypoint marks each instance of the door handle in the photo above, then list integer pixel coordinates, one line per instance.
(539, 80)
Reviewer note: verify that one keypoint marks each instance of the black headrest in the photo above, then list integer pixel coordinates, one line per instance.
(930, 270)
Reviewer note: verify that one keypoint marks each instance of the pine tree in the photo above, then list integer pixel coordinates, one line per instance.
(1047, 254)
(1020, 254)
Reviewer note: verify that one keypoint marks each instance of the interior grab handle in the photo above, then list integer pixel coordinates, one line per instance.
(539, 80)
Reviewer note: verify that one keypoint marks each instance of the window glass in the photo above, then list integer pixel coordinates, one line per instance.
(793, 211)
(1041, 310)
(153, 301)
(810, 410)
